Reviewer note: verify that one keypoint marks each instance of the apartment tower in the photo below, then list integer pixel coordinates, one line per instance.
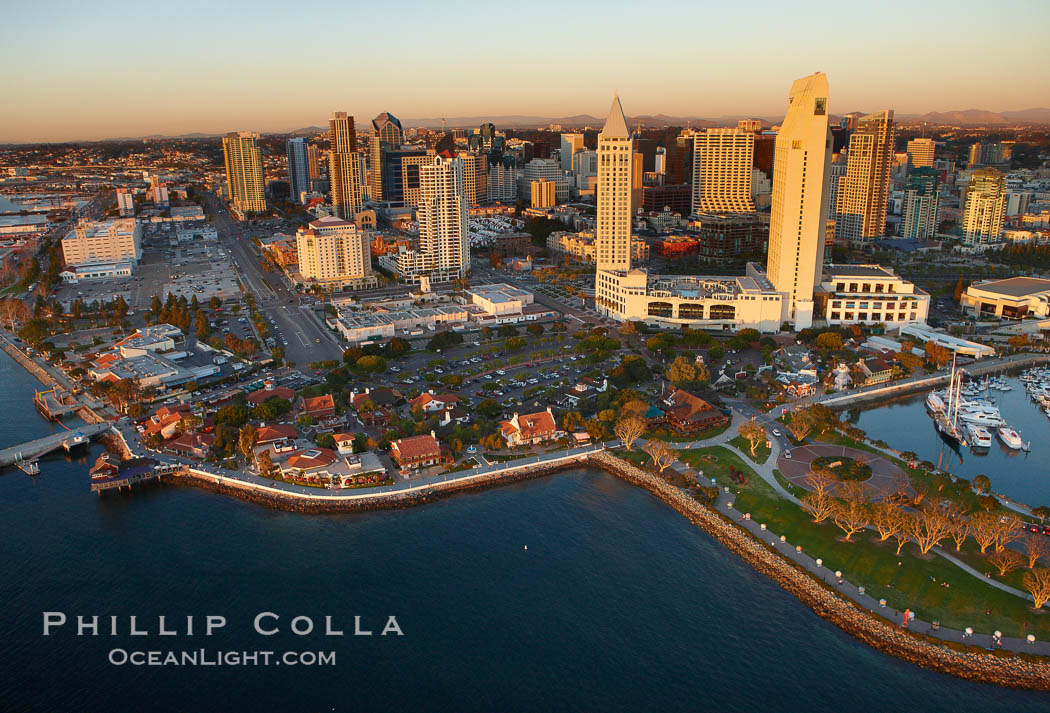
(344, 166)
(442, 214)
(860, 216)
(984, 210)
(298, 168)
(920, 152)
(245, 182)
(921, 204)
(799, 211)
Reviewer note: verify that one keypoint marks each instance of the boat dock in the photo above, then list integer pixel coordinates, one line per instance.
(25, 454)
(55, 404)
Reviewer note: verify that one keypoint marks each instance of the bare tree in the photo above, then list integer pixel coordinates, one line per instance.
(820, 504)
(821, 482)
(661, 453)
(1037, 582)
(13, 310)
(629, 429)
(930, 527)
(903, 535)
(1008, 530)
(1006, 560)
(1036, 547)
(753, 432)
(888, 519)
(802, 424)
(983, 527)
(852, 512)
(960, 531)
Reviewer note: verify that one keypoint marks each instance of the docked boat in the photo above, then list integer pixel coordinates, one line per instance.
(979, 436)
(980, 414)
(935, 402)
(947, 420)
(1010, 437)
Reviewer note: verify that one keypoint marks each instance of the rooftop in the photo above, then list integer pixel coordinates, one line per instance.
(1014, 286)
(858, 271)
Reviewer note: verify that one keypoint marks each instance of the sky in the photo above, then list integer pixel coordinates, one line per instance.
(82, 71)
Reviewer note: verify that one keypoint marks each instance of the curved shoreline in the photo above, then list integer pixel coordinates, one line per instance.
(1010, 670)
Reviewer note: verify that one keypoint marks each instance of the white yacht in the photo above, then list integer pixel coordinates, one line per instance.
(980, 414)
(979, 436)
(1010, 437)
(935, 402)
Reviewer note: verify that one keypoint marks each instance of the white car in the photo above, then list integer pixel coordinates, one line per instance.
(787, 454)
(776, 432)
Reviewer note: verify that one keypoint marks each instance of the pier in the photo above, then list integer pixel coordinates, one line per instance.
(25, 454)
(55, 404)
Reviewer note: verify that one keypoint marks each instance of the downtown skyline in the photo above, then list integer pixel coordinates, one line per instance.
(213, 70)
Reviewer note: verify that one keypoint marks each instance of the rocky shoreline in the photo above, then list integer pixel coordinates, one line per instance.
(1015, 671)
(1001, 668)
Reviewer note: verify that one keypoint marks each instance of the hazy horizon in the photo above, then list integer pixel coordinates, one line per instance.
(133, 70)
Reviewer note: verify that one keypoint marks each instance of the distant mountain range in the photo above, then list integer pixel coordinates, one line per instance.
(965, 117)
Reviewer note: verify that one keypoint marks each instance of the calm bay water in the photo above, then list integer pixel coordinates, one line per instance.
(617, 604)
(905, 425)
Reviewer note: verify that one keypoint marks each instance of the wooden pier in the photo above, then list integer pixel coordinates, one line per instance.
(55, 404)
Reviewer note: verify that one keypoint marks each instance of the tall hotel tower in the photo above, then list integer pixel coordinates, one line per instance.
(615, 173)
(797, 222)
(245, 181)
(344, 166)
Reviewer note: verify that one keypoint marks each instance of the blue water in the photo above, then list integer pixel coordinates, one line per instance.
(618, 604)
(905, 425)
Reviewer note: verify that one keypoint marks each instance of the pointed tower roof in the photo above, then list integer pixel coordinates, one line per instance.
(616, 123)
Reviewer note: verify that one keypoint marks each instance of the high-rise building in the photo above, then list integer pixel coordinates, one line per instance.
(799, 214)
(125, 203)
(860, 214)
(475, 176)
(103, 242)
(921, 210)
(344, 166)
(984, 210)
(752, 125)
(386, 135)
(585, 169)
(503, 183)
(298, 168)
(444, 249)
(334, 251)
(313, 166)
(615, 179)
(986, 153)
(722, 161)
(245, 181)
(920, 152)
(484, 139)
(544, 194)
(547, 169)
(570, 144)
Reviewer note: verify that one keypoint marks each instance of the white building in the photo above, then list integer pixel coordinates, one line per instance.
(546, 169)
(920, 152)
(798, 220)
(1012, 298)
(984, 210)
(334, 252)
(500, 299)
(99, 242)
(503, 184)
(570, 144)
(722, 160)
(870, 294)
(125, 203)
(297, 152)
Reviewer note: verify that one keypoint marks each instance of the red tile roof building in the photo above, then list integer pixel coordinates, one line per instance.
(416, 451)
(319, 406)
(530, 429)
(687, 413)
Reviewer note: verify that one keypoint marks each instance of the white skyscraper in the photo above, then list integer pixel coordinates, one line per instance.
(615, 175)
(443, 245)
(298, 168)
(797, 223)
(722, 160)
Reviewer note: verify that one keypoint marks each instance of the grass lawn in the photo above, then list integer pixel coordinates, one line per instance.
(667, 435)
(915, 583)
(744, 446)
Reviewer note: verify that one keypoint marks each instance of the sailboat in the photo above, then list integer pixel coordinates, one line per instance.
(947, 420)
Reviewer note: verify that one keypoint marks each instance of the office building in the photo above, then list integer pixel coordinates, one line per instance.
(334, 252)
(395, 182)
(722, 162)
(870, 294)
(585, 170)
(344, 166)
(547, 169)
(920, 152)
(475, 177)
(125, 203)
(297, 151)
(987, 153)
(984, 210)
(921, 204)
(544, 194)
(799, 213)
(503, 183)
(484, 140)
(615, 183)
(730, 237)
(860, 214)
(245, 181)
(570, 144)
(386, 135)
(411, 187)
(752, 125)
(118, 240)
(313, 165)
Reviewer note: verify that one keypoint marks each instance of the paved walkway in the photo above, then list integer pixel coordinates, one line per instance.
(885, 475)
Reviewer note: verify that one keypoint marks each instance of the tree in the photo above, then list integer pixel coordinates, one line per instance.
(929, 527)
(888, 519)
(246, 440)
(1018, 341)
(628, 429)
(960, 531)
(1042, 512)
(1036, 547)
(12, 311)
(1006, 561)
(937, 355)
(902, 536)
(681, 371)
(572, 421)
(264, 463)
(801, 424)
(820, 504)
(753, 432)
(1037, 582)
(829, 340)
(851, 513)
(982, 484)
(661, 453)
(1007, 530)
(983, 527)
